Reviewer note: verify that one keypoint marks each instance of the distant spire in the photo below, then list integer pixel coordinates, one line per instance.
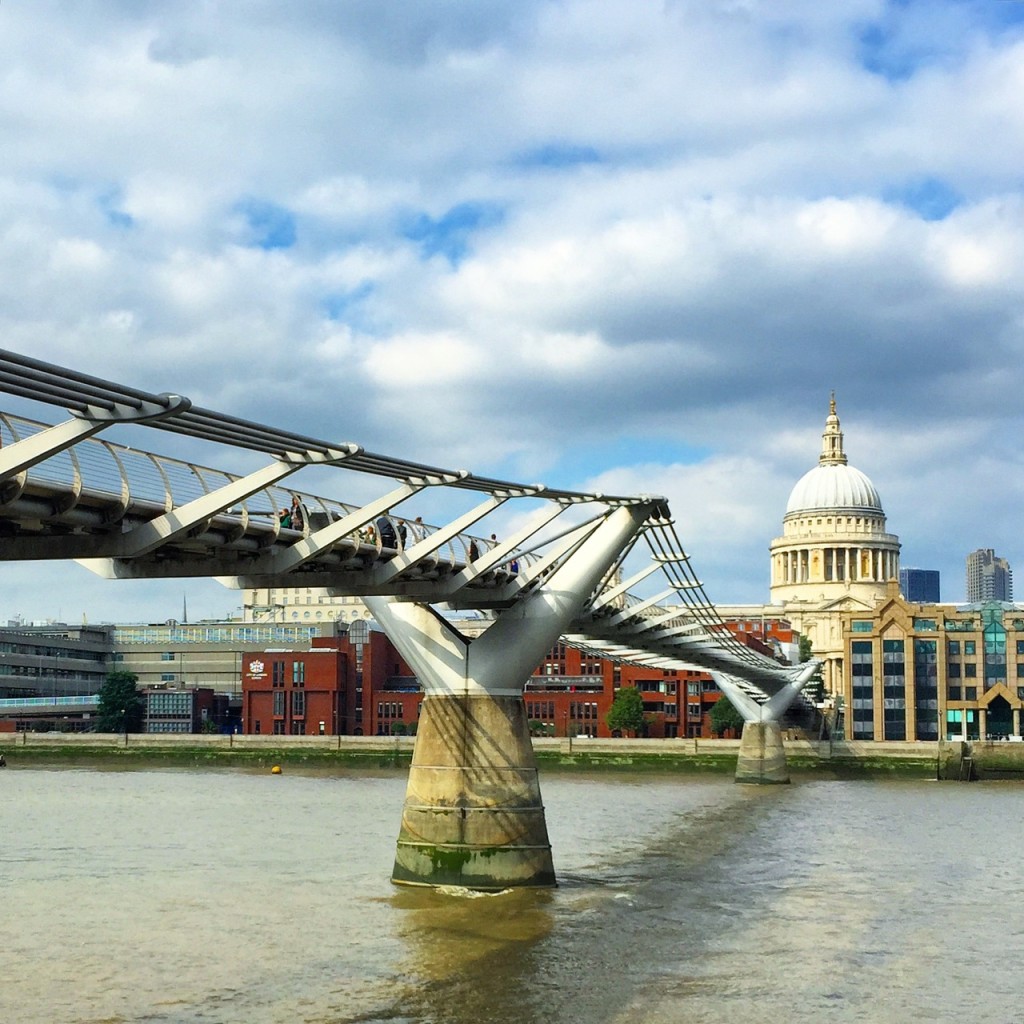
(832, 453)
(184, 608)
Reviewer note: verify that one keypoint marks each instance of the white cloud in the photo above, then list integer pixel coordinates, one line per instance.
(545, 239)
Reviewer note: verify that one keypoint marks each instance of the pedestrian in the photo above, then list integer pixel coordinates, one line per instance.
(403, 532)
(474, 551)
(296, 512)
(386, 531)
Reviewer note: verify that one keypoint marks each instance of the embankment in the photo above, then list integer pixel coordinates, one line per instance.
(835, 760)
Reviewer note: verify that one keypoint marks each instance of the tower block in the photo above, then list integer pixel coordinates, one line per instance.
(473, 813)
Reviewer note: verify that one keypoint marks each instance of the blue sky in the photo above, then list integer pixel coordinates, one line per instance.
(587, 242)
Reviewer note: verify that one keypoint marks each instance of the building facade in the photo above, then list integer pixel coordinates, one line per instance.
(54, 660)
(931, 671)
(989, 578)
(180, 711)
(835, 555)
(920, 585)
(357, 684)
(176, 655)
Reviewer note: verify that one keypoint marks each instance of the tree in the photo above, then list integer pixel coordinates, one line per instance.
(627, 711)
(725, 716)
(122, 707)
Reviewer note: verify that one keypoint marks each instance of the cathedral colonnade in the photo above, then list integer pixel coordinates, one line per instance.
(834, 564)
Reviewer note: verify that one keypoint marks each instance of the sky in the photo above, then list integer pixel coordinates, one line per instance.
(600, 244)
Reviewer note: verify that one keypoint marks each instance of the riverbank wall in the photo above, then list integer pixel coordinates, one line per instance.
(835, 759)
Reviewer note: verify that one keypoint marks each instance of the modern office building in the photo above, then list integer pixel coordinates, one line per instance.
(930, 671)
(920, 585)
(53, 660)
(181, 655)
(180, 711)
(989, 578)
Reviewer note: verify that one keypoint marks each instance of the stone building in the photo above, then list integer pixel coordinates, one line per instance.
(835, 555)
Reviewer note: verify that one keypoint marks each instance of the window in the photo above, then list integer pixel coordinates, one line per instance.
(970, 671)
(969, 647)
(277, 673)
(279, 704)
(299, 673)
(298, 703)
(953, 647)
(862, 626)
(167, 656)
(954, 693)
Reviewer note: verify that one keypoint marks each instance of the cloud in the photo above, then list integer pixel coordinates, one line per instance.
(593, 243)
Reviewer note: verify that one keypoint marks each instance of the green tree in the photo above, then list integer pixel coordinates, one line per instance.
(122, 707)
(724, 716)
(627, 711)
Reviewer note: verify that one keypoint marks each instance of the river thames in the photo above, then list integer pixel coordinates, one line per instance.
(180, 896)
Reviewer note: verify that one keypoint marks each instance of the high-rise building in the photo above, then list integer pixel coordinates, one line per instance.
(920, 585)
(989, 578)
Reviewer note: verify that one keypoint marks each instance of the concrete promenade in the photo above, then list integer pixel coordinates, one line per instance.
(838, 758)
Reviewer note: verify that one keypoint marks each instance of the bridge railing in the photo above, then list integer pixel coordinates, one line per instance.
(124, 482)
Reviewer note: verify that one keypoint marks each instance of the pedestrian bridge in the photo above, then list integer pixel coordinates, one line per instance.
(606, 572)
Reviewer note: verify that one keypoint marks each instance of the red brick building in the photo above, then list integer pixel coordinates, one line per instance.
(358, 685)
(352, 685)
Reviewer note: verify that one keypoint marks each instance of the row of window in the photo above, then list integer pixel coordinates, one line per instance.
(250, 633)
(61, 653)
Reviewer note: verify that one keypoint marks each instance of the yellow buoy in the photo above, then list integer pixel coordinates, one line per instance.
(276, 770)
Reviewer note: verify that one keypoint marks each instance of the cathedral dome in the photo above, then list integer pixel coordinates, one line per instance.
(832, 488)
(833, 485)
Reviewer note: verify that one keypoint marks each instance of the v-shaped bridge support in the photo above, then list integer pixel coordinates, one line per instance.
(473, 814)
(762, 757)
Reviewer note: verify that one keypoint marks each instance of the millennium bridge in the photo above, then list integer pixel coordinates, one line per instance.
(473, 814)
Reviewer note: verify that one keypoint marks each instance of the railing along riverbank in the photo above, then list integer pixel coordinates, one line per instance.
(837, 759)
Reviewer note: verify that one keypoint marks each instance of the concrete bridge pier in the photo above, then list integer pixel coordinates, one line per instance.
(762, 758)
(473, 812)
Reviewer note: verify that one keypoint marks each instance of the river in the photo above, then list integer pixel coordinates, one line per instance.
(222, 896)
